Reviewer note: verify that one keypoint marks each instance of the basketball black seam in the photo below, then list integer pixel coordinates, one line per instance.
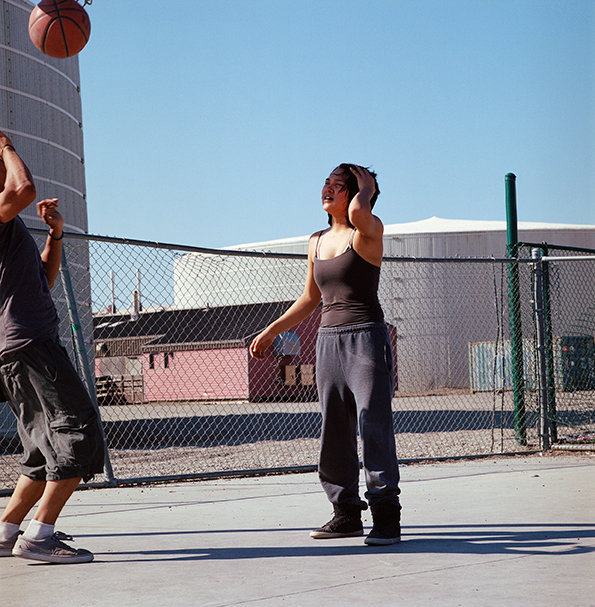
(46, 32)
(64, 36)
(80, 29)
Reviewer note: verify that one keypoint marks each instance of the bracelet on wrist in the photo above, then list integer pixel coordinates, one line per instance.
(54, 238)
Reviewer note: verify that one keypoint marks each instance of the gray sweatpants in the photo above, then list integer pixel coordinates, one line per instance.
(354, 375)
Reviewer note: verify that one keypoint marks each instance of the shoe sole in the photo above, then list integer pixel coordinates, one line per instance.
(6, 553)
(52, 558)
(381, 541)
(329, 535)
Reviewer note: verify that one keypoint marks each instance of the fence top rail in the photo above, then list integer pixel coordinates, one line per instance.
(170, 246)
(556, 247)
(274, 255)
(569, 258)
(460, 259)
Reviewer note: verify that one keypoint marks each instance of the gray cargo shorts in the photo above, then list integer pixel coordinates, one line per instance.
(56, 420)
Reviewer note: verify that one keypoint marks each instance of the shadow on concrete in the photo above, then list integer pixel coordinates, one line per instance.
(217, 430)
(214, 430)
(513, 540)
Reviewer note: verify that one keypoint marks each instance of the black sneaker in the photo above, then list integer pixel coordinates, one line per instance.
(386, 529)
(347, 522)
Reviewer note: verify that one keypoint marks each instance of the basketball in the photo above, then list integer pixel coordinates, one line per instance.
(59, 28)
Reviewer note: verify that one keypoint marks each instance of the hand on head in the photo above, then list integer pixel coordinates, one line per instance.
(364, 177)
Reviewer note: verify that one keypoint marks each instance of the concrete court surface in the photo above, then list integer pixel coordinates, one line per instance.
(506, 531)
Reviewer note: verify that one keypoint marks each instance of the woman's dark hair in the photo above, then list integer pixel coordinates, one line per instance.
(352, 187)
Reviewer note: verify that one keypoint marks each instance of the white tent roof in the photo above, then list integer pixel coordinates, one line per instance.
(437, 225)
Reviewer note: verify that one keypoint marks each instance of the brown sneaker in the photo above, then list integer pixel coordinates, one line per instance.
(347, 522)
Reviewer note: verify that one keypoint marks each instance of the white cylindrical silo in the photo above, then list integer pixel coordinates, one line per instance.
(207, 281)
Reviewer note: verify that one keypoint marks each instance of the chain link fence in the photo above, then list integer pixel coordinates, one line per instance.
(562, 287)
(167, 328)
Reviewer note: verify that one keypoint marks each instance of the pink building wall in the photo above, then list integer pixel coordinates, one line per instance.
(230, 373)
(196, 375)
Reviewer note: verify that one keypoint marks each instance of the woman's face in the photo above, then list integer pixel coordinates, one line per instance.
(335, 197)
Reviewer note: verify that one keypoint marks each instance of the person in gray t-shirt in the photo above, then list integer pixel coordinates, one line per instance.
(57, 423)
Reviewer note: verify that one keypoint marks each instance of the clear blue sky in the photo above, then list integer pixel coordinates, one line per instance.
(213, 123)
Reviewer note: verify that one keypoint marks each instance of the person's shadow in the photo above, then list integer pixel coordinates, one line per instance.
(546, 539)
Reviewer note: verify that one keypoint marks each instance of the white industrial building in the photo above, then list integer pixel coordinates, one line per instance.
(202, 281)
(437, 237)
(437, 308)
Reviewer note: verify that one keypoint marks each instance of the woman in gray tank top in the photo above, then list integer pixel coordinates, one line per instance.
(354, 360)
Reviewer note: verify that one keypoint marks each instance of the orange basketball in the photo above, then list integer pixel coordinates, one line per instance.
(59, 28)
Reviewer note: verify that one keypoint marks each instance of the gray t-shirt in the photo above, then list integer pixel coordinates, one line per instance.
(27, 312)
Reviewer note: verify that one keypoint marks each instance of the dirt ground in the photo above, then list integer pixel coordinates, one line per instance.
(197, 438)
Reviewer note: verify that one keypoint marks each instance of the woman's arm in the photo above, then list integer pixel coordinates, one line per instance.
(301, 308)
(360, 210)
(369, 227)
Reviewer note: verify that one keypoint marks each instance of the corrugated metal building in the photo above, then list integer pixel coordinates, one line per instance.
(437, 308)
(437, 237)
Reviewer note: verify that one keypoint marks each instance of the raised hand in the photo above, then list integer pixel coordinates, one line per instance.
(365, 181)
(47, 210)
(4, 141)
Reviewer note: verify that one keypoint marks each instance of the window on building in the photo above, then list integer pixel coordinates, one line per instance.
(287, 344)
(291, 374)
(151, 361)
(134, 366)
(307, 375)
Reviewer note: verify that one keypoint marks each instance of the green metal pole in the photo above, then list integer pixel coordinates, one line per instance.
(514, 306)
(539, 318)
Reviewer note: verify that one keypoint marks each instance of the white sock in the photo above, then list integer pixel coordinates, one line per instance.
(7, 530)
(38, 531)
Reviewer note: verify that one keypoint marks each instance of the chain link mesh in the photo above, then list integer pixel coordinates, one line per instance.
(569, 314)
(168, 329)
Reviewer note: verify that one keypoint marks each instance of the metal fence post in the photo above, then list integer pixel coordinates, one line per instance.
(82, 358)
(540, 331)
(514, 298)
(549, 345)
